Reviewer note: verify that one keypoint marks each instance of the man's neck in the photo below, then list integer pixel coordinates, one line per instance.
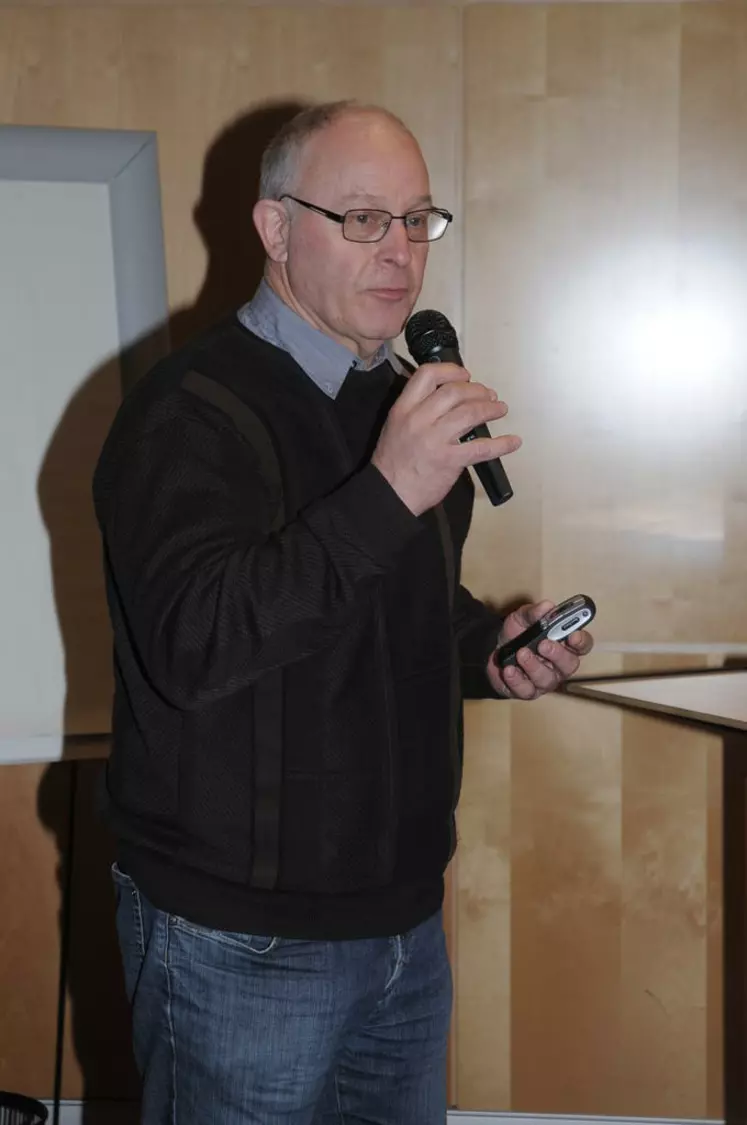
(278, 282)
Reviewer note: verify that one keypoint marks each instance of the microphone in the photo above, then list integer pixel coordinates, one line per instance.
(431, 338)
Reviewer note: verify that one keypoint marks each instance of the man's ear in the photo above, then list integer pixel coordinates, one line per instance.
(273, 226)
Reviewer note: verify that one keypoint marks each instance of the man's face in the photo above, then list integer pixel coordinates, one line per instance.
(359, 293)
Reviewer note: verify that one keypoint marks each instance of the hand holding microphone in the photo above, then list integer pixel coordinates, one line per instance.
(438, 427)
(431, 338)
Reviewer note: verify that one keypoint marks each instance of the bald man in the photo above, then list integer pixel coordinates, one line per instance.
(283, 506)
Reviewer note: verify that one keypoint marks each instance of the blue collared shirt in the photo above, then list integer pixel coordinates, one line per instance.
(323, 359)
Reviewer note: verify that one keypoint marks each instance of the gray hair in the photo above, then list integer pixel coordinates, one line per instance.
(281, 158)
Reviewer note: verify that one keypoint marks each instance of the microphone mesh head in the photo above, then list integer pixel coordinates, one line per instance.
(426, 330)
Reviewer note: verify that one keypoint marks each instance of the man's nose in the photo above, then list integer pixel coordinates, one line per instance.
(395, 245)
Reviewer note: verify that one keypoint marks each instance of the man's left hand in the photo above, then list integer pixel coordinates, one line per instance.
(536, 675)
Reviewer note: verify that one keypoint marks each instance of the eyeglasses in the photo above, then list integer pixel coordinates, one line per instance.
(366, 225)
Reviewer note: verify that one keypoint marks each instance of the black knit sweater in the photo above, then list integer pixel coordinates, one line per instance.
(287, 723)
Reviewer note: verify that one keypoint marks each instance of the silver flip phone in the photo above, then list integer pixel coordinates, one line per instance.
(572, 614)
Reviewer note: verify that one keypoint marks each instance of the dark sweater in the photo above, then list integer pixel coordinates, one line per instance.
(285, 692)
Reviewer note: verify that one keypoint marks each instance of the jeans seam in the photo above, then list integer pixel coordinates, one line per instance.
(399, 965)
(339, 1102)
(170, 1018)
(220, 937)
(138, 907)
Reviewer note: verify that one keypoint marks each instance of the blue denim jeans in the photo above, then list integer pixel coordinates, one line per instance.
(238, 1029)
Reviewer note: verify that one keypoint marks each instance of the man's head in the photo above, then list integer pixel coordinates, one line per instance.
(342, 157)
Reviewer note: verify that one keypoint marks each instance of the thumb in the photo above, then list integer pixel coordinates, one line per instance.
(539, 609)
(525, 616)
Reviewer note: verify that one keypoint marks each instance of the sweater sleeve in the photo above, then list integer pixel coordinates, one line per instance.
(209, 596)
(476, 628)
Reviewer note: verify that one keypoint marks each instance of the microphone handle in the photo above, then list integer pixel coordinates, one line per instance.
(491, 474)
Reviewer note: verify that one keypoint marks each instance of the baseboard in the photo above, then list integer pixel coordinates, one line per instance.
(125, 1113)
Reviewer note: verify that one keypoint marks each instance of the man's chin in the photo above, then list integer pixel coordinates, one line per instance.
(386, 323)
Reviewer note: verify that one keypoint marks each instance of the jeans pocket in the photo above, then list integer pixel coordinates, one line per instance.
(258, 944)
(129, 911)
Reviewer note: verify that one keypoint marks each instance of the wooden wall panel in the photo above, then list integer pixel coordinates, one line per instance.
(34, 827)
(589, 910)
(604, 269)
(604, 276)
(713, 161)
(356, 4)
(482, 906)
(190, 73)
(566, 908)
(604, 161)
(665, 924)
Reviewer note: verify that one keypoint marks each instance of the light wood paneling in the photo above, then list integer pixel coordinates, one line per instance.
(713, 157)
(356, 4)
(605, 267)
(604, 162)
(589, 910)
(482, 1017)
(34, 826)
(605, 151)
(565, 907)
(189, 73)
(666, 942)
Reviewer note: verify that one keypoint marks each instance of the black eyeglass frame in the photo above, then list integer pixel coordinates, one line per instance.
(336, 217)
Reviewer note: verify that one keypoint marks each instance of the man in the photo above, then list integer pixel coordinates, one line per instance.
(283, 513)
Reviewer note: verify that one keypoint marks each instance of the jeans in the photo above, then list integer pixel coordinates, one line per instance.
(233, 1029)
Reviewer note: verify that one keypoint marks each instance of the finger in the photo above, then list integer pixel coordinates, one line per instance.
(495, 676)
(542, 674)
(517, 621)
(460, 420)
(467, 399)
(519, 684)
(485, 449)
(539, 609)
(565, 662)
(581, 642)
(423, 382)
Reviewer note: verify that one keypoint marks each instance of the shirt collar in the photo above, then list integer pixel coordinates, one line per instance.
(324, 360)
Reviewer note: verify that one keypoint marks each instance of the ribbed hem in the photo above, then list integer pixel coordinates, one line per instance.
(221, 905)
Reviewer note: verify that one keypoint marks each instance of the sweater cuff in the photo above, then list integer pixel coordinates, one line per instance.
(378, 518)
(475, 649)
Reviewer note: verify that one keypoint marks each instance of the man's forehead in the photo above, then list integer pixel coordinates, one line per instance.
(360, 167)
(360, 195)
(362, 142)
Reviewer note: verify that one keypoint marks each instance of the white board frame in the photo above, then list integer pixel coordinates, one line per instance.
(127, 163)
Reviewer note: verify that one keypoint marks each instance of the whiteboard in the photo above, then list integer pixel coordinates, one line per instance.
(69, 324)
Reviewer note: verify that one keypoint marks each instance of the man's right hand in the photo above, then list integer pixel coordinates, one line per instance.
(419, 451)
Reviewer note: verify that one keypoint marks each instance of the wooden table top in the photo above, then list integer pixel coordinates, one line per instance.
(709, 697)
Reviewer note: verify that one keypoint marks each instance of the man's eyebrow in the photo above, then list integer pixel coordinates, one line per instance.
(423, 199)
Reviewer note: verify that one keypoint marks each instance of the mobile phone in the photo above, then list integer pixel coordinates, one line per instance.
(572, 614)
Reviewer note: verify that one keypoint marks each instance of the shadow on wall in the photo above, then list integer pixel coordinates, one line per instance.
(96, 1062)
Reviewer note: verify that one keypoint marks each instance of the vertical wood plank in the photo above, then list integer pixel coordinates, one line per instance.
(34, 826)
